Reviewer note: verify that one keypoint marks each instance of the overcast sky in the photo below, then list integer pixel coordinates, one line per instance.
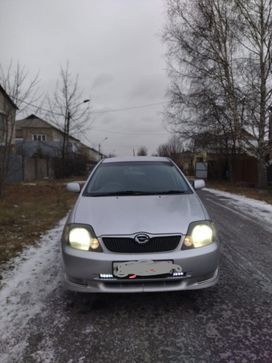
(113, 45)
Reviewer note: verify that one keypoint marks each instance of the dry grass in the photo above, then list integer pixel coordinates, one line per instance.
(264, 195)
(27, 211)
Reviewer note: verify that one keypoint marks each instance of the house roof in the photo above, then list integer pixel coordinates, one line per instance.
(33, 121)
(91, 148)
(7, 97)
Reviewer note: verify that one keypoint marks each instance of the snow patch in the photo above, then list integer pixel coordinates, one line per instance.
(36, 273)
(255, 208)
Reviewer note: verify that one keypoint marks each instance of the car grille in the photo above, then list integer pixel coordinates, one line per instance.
(155, 244)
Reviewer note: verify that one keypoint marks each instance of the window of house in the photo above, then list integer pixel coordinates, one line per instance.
(38, 137)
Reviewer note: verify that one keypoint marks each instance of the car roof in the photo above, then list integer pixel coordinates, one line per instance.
(135, 159)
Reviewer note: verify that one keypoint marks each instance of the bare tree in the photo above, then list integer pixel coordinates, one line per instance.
(22, 90)
(66, 108)
(220, 66)
(142, 151)
(256, 39)
(205, 95)
(172, 149)
(21, 87)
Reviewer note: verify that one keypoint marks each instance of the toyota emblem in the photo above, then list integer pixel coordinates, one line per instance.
(142, 238)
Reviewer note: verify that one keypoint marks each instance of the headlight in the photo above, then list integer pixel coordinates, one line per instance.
(81, 238)
(200, 234)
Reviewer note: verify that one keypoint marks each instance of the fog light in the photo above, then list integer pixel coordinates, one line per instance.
(106, 276)
(94, 244)
(188, 241)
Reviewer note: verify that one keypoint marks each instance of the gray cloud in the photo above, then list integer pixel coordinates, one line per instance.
(102, 80)
(148, 87)
(114, 47)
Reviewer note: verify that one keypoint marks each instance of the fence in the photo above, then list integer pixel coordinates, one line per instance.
(28, 169)
(244, 170)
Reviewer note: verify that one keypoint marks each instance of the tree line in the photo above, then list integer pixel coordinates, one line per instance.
(219, 64)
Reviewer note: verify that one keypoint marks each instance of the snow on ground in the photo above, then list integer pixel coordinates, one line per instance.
(255, 208)
(34, 274)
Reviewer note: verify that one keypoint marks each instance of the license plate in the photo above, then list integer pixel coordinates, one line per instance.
(144, 268)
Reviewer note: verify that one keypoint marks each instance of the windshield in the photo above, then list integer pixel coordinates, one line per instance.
(132, 178)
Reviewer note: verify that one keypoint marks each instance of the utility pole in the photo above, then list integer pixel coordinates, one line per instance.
(66, 131)
(66, 134)
(99, 146)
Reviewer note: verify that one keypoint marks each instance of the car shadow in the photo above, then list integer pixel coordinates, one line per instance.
(196, 300)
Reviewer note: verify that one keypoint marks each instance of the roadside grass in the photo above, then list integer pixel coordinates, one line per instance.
(27, 210)
(250, 192)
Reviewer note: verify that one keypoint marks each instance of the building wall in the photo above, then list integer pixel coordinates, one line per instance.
(9, 111)
(2, 101)
(94, 155)
(53, 143)
(27, 133)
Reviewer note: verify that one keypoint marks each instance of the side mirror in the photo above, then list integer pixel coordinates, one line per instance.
(73, 187)
(199, 184)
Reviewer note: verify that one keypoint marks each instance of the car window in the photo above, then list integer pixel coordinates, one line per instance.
(136, 177)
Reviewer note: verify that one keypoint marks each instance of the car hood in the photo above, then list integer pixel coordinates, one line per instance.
(126, 215)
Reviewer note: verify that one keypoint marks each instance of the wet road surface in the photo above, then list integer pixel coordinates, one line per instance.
(231, 322)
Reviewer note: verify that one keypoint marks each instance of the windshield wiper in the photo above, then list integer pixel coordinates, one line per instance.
(130, 192)
(119, 193)
(134, 192)
(172, 192)
(138, 192)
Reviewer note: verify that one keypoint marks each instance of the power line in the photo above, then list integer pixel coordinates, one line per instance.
(98, 111)
(109, 111)
(131, 107)
(37, 107)
(130, 133)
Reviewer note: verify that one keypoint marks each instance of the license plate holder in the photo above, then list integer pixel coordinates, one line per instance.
(128, 269)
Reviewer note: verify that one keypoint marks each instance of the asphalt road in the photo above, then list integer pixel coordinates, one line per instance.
(231, 322)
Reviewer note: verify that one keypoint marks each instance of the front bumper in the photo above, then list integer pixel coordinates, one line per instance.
(83, 269)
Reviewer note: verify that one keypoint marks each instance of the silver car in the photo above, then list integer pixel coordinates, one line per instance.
(138, 225)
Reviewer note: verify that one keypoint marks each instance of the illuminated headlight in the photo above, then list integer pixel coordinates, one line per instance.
(82, 238)
(200, 234)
